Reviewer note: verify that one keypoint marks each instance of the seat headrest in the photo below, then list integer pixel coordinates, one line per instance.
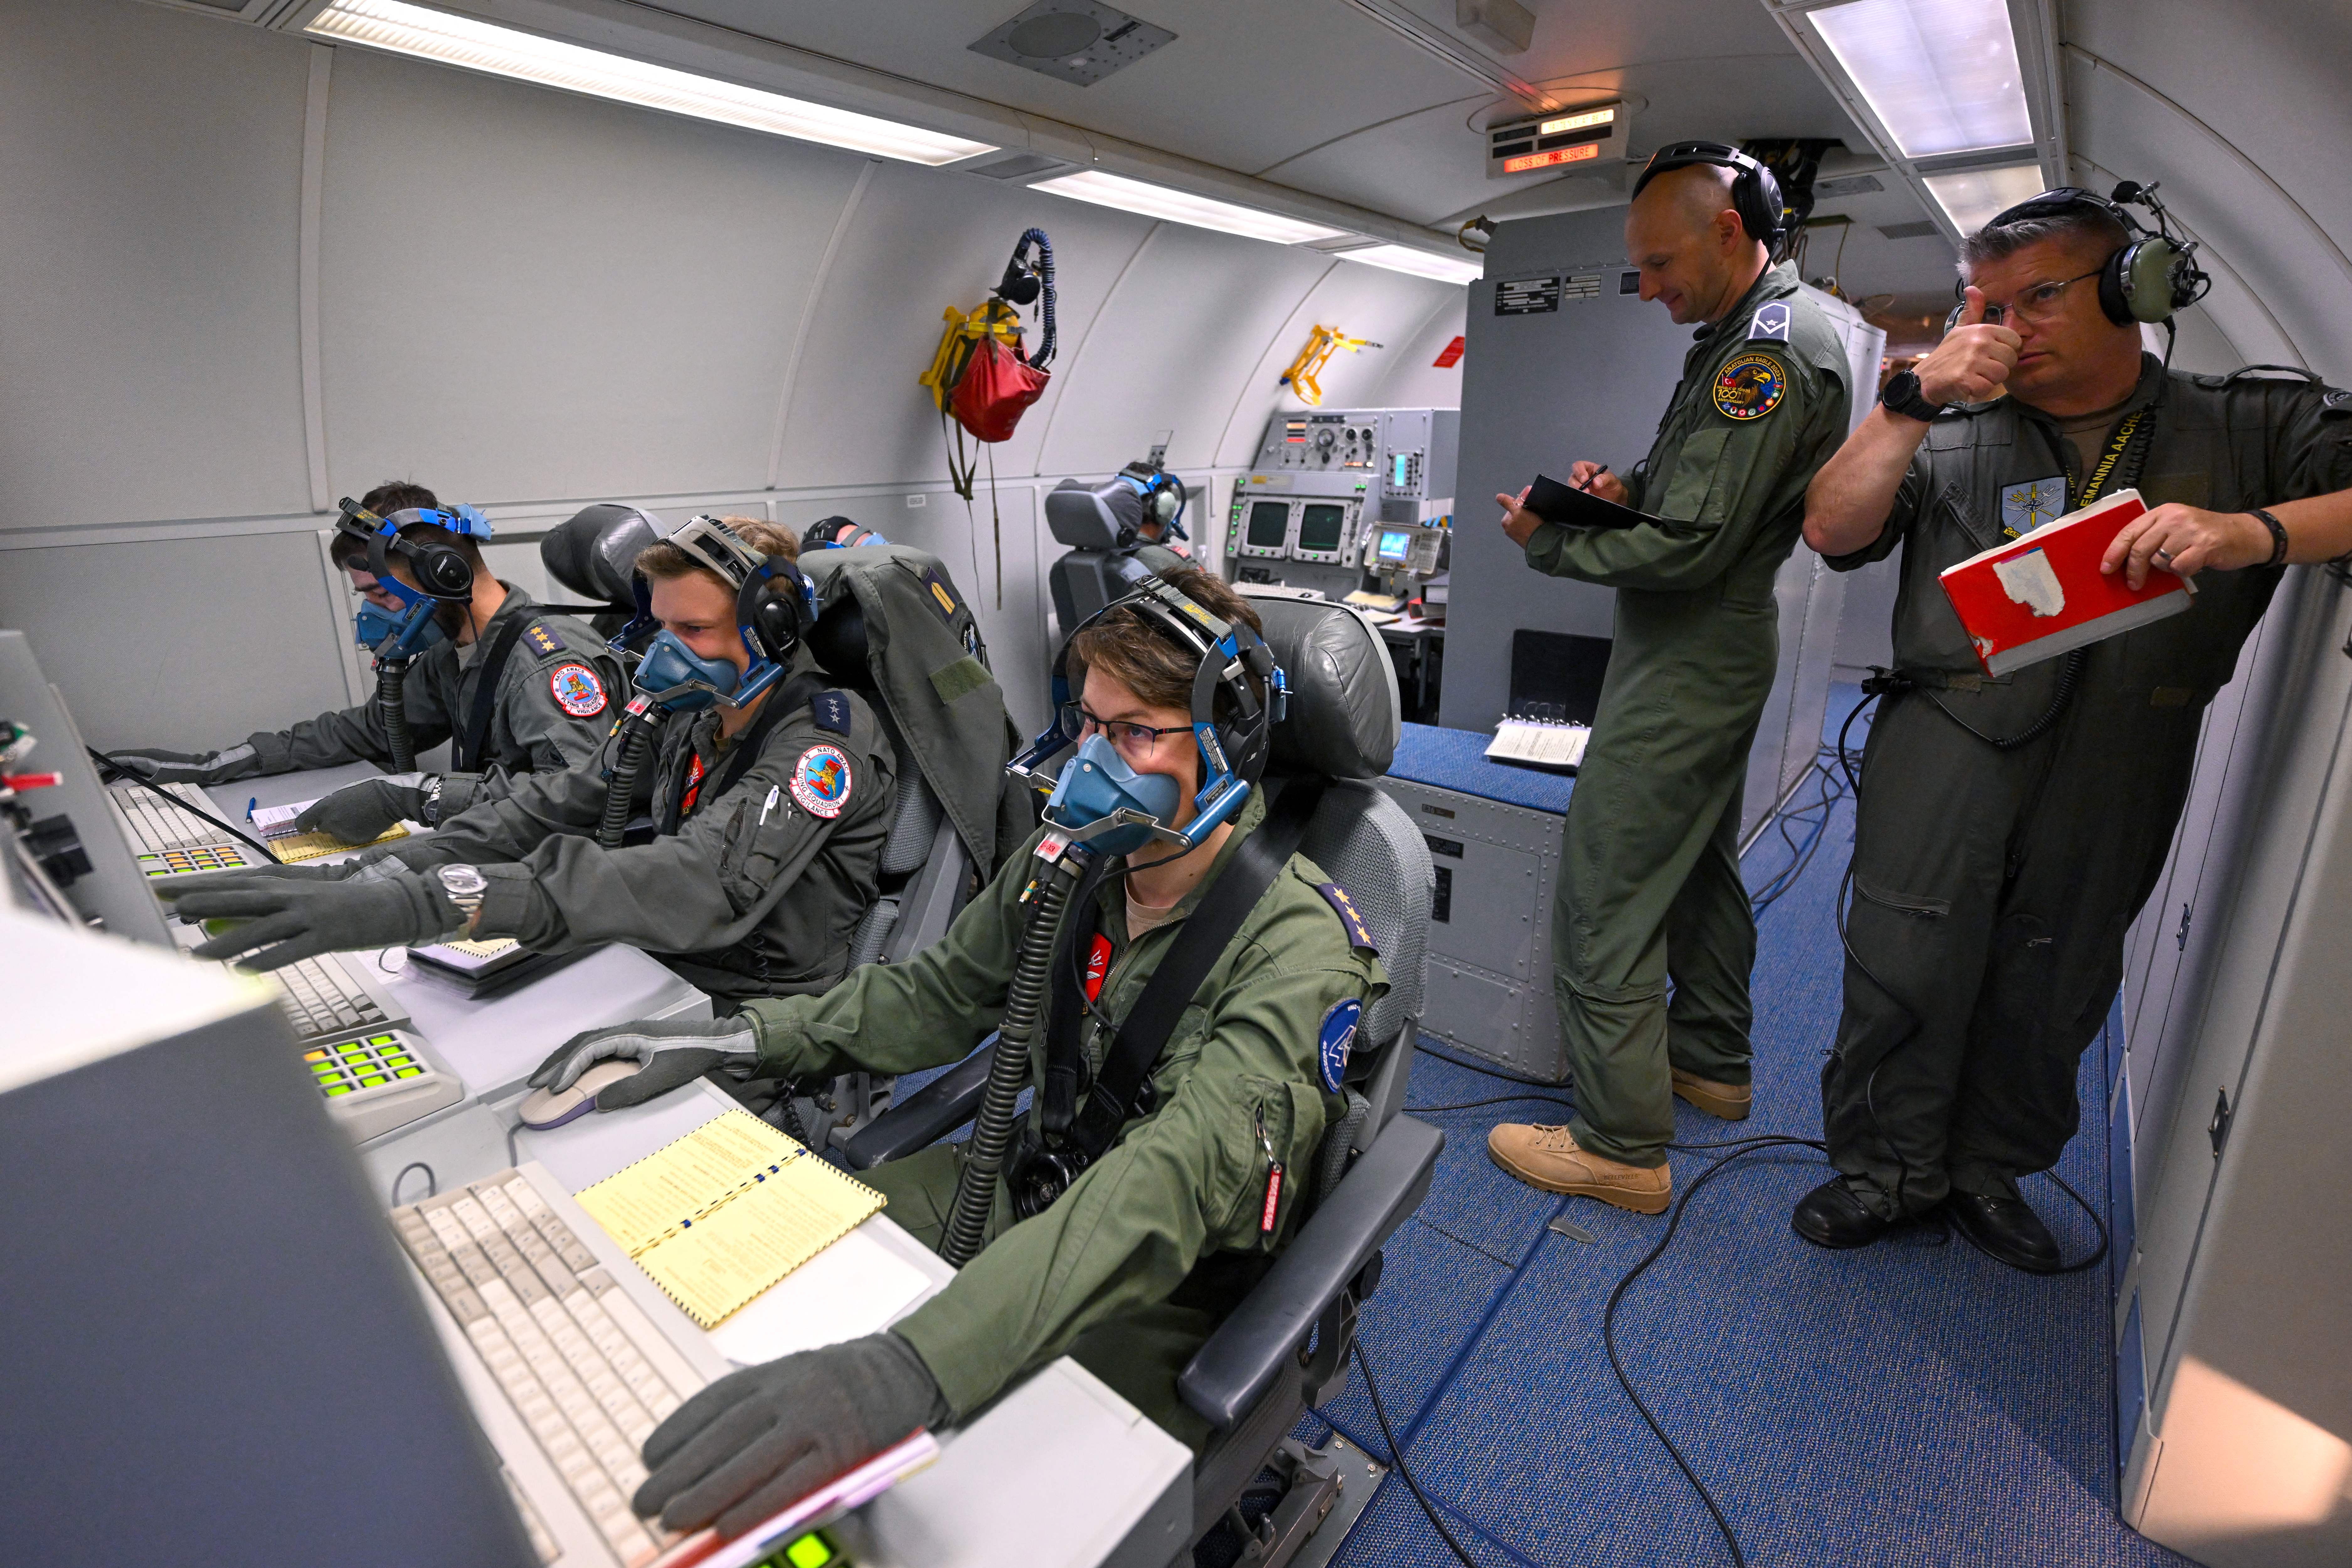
(593, 553)
(1094, 516)
(1345, 717)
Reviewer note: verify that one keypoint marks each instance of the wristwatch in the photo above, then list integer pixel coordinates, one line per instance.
(429, 793)
(1903, 396)
(465, 885)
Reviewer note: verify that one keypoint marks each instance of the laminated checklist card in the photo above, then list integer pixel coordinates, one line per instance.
(717, 1216)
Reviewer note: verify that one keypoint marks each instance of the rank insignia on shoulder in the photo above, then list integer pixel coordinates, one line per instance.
(1750, 386)
(542, 640)
(831, 711)
(2026, 507)
(1334, 1040)
(943, 597)
(577, 690)
(1359, 935)
(1770, 323)
(821, 782)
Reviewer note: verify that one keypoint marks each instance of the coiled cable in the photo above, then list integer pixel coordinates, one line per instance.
(637, 726)
(391, 676)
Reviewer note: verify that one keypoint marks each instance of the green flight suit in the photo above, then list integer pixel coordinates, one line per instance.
(1649, 882)
(1992, 885)
(755, 891)
(559, 691)
(1135, 1264)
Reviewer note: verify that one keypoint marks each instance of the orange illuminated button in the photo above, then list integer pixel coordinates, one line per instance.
(1552, 159)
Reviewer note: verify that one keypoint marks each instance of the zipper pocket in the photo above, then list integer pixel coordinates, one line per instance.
(1919, 908)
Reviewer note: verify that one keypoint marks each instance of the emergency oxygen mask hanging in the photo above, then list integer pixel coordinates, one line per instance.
(1103, 802)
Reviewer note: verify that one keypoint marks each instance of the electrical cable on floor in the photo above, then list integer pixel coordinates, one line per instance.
(1396, 1458)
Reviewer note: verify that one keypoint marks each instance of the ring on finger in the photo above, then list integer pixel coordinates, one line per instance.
(2164, 556)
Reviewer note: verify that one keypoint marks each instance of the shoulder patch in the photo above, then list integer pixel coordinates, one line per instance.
(1770, 325)
(1750, 386)
(1334, 1040)
(831, 711)
(821, 782)
(1359, 935)
(543, 639)
(577, 690)
(2026, 507)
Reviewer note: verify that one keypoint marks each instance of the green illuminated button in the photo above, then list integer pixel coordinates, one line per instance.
(326, 1070)
(354, 1055)
(335, 1088)
(410, 1072)
(808, 1552)
(382, 1040)
(372, 1079)
(396, 1058)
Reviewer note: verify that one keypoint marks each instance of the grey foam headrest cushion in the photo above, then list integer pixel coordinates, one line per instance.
(1345, 718)
(1086, 517)
(594, 552)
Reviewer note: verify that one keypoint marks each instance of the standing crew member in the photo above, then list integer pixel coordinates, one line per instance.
(1125, 1262)
(515, 689)
(771, 797)
(2009, 828)
(1649, 883)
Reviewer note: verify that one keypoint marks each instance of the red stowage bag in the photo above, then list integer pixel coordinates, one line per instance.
(995, 388)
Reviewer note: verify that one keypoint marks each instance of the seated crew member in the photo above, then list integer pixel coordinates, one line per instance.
(2008, 829)
(1132, 1265)
(549, 677)
(771, 797)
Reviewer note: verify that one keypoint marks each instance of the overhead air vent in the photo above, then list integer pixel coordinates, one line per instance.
(1850, 185)
(1920, 230)
(1018, 166)
(1073, 41)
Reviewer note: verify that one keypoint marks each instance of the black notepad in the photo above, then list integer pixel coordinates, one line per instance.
(1572, 508)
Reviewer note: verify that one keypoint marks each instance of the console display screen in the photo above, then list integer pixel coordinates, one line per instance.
(1396, 543)
(1269, 524)
(1320, 528)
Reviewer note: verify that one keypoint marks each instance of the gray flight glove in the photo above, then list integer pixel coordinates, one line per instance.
(758, 1440)
(357, 814)
(675, 1051)
(179, 767)
(280, 921)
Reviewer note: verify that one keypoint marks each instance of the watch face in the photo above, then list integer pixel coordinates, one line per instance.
(463, 880)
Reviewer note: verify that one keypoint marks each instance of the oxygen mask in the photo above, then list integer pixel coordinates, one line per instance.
(1097, 788)
(683, 681)
(403, 634)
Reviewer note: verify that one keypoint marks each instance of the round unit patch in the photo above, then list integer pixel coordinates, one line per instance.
(1336, 1037)
(577, 690)
(821, 781)
(1750, 386)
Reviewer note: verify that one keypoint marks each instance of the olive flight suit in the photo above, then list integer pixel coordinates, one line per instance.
(753, 891)
(553, 701)
(1135, 1264)
(1992, 885)
(1649, 882)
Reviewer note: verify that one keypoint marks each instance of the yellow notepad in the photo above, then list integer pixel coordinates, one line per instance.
(725, 1212)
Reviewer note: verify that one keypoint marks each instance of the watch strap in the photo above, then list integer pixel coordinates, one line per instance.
(2278, 534)
(1901, 395)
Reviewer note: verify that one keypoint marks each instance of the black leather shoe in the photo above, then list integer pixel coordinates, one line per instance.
(1833, 1214)
(2004, 1230)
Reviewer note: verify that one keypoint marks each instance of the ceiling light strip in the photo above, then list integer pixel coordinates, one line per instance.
(463, 42)
(1419, 263)
(1117, 191)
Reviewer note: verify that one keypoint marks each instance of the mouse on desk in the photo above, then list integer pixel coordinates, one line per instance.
(543, 1108)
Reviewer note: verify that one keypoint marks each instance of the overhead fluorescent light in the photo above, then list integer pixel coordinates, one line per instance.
(1972, 196)
(1182, 206)
(1420, 263)
(1941, 75)
(461, 41)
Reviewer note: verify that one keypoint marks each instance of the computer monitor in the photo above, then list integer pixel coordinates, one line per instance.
(1268, 530)
(216, 1351)
(1395, 546)
(1321, 527)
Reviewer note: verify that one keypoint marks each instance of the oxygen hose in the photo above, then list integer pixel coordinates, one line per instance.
(391, 675)
(637, 727)
(992, 1129)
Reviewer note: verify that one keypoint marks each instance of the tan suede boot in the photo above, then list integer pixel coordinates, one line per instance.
(1548, 1157)
(1730, 1101)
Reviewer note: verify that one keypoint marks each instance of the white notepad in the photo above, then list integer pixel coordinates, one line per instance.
(1539, 744)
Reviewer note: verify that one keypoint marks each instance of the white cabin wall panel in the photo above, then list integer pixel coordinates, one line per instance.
(527, 293)
(150, 172)
(1410, 377)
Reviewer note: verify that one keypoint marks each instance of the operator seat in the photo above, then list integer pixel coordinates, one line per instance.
(1107, 560)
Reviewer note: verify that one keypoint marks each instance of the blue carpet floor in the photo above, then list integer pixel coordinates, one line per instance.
(1911, 1404)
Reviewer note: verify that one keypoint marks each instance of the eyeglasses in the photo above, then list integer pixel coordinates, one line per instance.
(2039, 301)
(1136, 739)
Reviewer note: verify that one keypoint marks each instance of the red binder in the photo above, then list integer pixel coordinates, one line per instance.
(2036, 597)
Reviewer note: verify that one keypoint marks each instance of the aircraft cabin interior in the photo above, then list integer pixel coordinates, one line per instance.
(953, 784)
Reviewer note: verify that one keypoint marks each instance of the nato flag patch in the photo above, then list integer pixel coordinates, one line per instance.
(831, 711)
(1359, 935)
(1335, 1040)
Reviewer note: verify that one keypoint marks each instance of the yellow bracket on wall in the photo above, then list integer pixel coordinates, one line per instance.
(1321, 344)
(992, 318)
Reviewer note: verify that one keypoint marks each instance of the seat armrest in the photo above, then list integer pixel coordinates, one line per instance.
(1241, 1359)
(926, 1116)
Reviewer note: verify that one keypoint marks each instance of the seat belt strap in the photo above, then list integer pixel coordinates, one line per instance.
(794, 693)
(476, 737)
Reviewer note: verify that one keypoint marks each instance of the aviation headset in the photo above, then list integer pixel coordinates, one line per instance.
(838, 532)
(775, 603)
(1162, 494)
(1755, 194)
(2147, 278)
(442, 571)
(1232, 747)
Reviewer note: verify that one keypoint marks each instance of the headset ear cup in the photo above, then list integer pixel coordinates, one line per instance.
(2115, 291)
(441, 571)
(1761, 210)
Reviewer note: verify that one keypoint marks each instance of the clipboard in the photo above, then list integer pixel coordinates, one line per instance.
(1572, 508)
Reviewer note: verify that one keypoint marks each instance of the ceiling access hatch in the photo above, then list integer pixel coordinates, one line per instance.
(1073, 41)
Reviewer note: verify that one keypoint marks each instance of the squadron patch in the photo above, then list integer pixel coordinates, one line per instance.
(1359, 935)
(2026, 507)
(544, 641)
(1750, 386)
(577, 690)
(1335, 1040)
(1770, 325)
(821, 782)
